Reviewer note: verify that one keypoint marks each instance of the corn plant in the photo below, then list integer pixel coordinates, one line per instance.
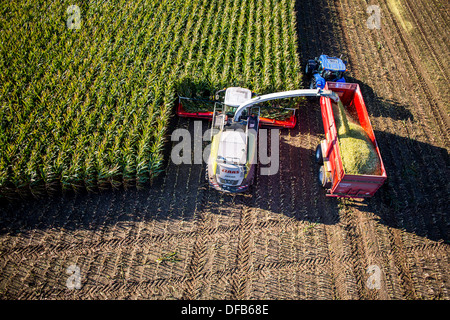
(88, 108)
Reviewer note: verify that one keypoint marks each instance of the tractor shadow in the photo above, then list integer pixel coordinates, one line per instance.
(377, 106)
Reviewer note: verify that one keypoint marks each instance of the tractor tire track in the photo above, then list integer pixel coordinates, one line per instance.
(359, 251)
(191, 287)
(345, 274)
(405, 272)
(430, 92)
(426, 163)
(415, 10)
(161, 287)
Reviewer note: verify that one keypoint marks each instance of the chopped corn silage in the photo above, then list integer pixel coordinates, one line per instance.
(358, 153)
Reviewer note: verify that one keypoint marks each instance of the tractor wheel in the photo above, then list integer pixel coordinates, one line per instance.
(319, 156)
(324, 178)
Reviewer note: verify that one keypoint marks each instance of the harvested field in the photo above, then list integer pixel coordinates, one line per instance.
(179, 239)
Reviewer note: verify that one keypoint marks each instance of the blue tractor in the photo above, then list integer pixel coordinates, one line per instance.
(325, 69)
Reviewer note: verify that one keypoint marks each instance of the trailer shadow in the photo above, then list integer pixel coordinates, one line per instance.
(415, 197)
(294, 190)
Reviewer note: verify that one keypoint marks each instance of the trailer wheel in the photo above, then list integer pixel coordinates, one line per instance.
(324, 178)
(319, 156)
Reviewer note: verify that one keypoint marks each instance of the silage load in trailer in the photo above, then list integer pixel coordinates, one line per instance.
(358, 153)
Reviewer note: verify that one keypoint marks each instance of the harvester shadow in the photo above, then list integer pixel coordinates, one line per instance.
(181, 192)
(414, 198)
(293, 190)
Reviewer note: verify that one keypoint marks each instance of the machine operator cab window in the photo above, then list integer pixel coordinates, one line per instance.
(234, 97)
(331, 68)
(330, 75)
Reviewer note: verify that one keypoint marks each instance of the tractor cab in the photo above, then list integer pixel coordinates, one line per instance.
(325, 69)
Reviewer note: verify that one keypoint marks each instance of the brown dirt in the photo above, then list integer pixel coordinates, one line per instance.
(284, 239)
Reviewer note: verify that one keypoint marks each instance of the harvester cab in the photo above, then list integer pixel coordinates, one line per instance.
(324, 69)
(232, 98)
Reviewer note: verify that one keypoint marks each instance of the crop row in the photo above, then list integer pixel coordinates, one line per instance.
(89, 107)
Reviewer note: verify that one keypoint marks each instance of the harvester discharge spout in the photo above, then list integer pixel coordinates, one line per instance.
(283, 95)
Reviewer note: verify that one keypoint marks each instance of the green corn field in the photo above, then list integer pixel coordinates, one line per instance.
(88, 107)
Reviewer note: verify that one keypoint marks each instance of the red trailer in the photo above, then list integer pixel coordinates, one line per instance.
(331, 174)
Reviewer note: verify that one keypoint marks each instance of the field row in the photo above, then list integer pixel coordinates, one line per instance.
(89, 107)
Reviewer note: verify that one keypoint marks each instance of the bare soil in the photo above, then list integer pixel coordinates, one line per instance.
(179, 239)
